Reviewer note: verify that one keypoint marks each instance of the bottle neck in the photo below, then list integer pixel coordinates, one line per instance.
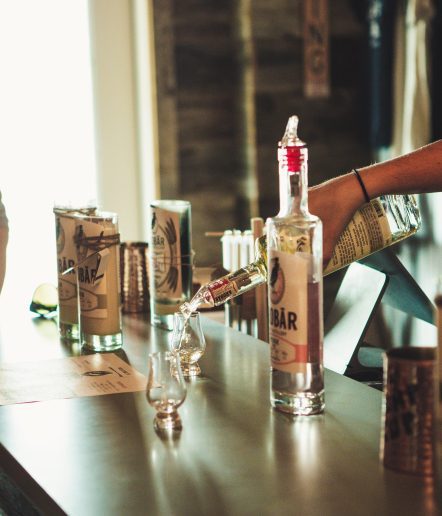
(293, 187)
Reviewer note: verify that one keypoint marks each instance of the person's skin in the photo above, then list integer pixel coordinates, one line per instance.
(4, 233)
(335, 201)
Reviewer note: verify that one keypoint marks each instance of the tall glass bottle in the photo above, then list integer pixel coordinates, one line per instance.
(294, 264)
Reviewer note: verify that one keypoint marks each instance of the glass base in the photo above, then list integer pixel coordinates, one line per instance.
(300, 404)
(102, 343)
(167, 421)
(69, 331)
(162, 321)
(190, 369)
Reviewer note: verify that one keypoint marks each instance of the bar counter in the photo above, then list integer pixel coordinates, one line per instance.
(100, 455)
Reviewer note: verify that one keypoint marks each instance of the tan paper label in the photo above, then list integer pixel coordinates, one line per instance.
(66, 258)
(92, 275)
(166, 259)
(367, 232)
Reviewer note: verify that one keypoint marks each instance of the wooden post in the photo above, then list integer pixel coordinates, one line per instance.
(316, 49)
(166, 89)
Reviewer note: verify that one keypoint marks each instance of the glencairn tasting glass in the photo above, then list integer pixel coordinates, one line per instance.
(188, 340)
(166, 389)
(294, 264)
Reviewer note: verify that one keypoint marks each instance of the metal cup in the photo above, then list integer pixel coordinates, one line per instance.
(409, 414)
(134, 265)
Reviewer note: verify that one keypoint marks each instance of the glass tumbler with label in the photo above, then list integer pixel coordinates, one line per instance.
(68, 323)
(294, 264)
(98, 271)
(170, 259)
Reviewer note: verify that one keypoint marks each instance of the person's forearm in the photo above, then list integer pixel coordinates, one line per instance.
(336, 200)
(419, 171)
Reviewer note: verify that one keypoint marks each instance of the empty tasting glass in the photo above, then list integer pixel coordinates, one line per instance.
(188, 339)
(166, 389)
(98, 273)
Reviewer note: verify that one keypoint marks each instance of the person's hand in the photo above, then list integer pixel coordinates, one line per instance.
(334, 202)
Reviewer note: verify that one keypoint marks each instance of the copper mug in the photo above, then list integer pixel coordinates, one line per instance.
(134, 277)
(409, 411)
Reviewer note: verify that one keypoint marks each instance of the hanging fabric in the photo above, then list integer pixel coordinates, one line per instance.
(436, 70)
(316, 49)
(412, 116)
(381, 17)
(412, 106)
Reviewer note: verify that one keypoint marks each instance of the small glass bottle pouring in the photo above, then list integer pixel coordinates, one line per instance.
(380, 223)
(294, 250)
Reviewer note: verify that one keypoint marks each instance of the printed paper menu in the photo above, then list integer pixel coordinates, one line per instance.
(88, 375)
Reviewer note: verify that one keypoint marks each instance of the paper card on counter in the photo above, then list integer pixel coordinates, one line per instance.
(71, 377)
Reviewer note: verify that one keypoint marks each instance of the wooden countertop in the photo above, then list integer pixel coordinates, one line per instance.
(235, 455)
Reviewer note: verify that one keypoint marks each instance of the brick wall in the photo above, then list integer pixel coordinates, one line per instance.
(230, 73)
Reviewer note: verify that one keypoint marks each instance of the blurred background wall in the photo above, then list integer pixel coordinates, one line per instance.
(132, 100)
(229, 76)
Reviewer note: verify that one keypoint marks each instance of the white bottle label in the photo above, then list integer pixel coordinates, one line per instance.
(66, 258)
(367, 232)
(166, 254)
(288, 277)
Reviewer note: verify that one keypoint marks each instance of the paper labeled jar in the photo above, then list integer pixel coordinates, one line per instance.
(98, 273)
(170, 259)
(68, 319)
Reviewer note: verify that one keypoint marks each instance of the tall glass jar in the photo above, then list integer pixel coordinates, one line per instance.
(68, 321)
(98, 272)
(170, 259)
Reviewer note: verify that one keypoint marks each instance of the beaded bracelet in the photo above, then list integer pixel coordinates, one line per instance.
(364, 190)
